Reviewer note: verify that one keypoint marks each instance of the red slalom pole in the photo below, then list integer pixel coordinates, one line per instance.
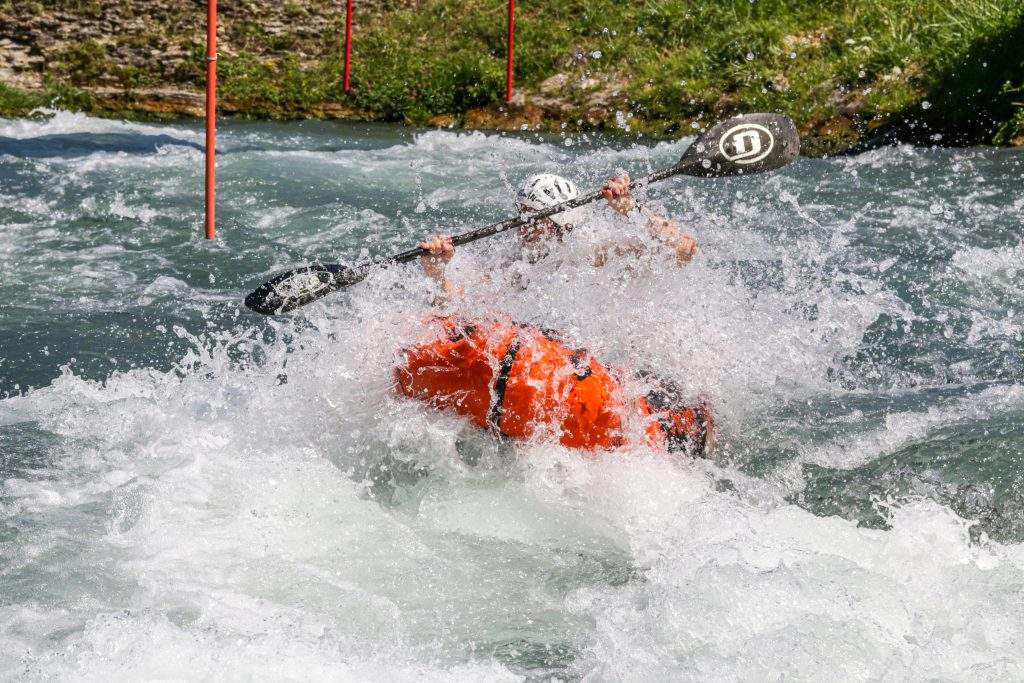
(211, 117)
(511, 48)
(348, 43)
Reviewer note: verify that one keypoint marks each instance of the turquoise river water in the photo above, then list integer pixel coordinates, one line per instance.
(191, 491)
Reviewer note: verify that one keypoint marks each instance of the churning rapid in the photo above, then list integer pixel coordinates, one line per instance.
(189, 490)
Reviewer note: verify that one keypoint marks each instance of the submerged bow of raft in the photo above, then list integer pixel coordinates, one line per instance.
(522, 382)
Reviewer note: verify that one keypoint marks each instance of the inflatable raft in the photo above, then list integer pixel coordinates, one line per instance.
(523, 382)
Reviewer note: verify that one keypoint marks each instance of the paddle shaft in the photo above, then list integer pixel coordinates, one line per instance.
(331, 277)
(742, 145)
(494, 229)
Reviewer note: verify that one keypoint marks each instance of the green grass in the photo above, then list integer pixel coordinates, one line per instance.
(821, 62)
(82, 63)
(679, 59)
(839, 68)
(15, 102)
(1011, 131)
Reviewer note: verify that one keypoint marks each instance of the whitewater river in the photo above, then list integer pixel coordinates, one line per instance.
(192, 491)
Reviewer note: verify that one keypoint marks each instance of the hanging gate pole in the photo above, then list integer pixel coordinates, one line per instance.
(511, 48)
(348, 43)
(211, 117)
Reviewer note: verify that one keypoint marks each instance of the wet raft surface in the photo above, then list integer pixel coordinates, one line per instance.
(187, 487)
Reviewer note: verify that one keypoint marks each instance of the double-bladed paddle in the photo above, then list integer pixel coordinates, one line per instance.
(751, 143)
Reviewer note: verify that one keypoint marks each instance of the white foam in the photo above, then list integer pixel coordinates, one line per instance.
(901, 428)
(226, 518)
(245, 547)
(984, 264)
(735, 592)
(59, 122)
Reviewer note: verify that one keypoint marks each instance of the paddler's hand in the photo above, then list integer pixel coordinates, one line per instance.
(669, 233)
(441, 251)
(616, 192)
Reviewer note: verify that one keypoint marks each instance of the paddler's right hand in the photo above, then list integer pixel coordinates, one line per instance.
(441, 251)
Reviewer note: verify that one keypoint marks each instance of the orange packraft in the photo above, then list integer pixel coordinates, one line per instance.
(521, 381)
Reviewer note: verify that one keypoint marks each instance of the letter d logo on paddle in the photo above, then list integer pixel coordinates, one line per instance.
(746, 143)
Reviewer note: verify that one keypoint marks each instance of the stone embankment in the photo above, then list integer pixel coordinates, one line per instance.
(147, 55)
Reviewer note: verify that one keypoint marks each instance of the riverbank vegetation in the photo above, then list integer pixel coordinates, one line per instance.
(920, 70)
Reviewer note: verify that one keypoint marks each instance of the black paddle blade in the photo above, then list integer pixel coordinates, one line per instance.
(750, 143)
(301, 286)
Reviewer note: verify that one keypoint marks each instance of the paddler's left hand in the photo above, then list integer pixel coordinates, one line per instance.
(618, 195)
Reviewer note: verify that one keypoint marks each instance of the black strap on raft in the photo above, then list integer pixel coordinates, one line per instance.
(500, 385)
(683, 441)
(580, 364)
(579, 360)
(701, 449)
(667, 395)
(546, 332)
(463, 331)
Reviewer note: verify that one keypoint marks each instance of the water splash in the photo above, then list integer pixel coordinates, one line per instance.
(187, 483)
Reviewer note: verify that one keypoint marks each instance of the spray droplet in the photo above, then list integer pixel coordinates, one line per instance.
(926, 105)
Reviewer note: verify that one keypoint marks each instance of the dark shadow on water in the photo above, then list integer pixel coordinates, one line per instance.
(73, 145)
(25, 448)
(537, 661)
(975, 468)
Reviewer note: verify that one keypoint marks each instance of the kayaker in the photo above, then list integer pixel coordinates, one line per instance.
(536, 240)
(541, 385)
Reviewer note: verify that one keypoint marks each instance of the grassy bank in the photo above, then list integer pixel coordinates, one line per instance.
(925, 70)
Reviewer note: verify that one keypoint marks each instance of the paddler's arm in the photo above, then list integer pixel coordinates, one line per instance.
(441, 251)
(669, 233)
(627, 247)
(617, 193)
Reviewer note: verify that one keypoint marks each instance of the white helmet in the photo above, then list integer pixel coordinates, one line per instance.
(545, 190)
